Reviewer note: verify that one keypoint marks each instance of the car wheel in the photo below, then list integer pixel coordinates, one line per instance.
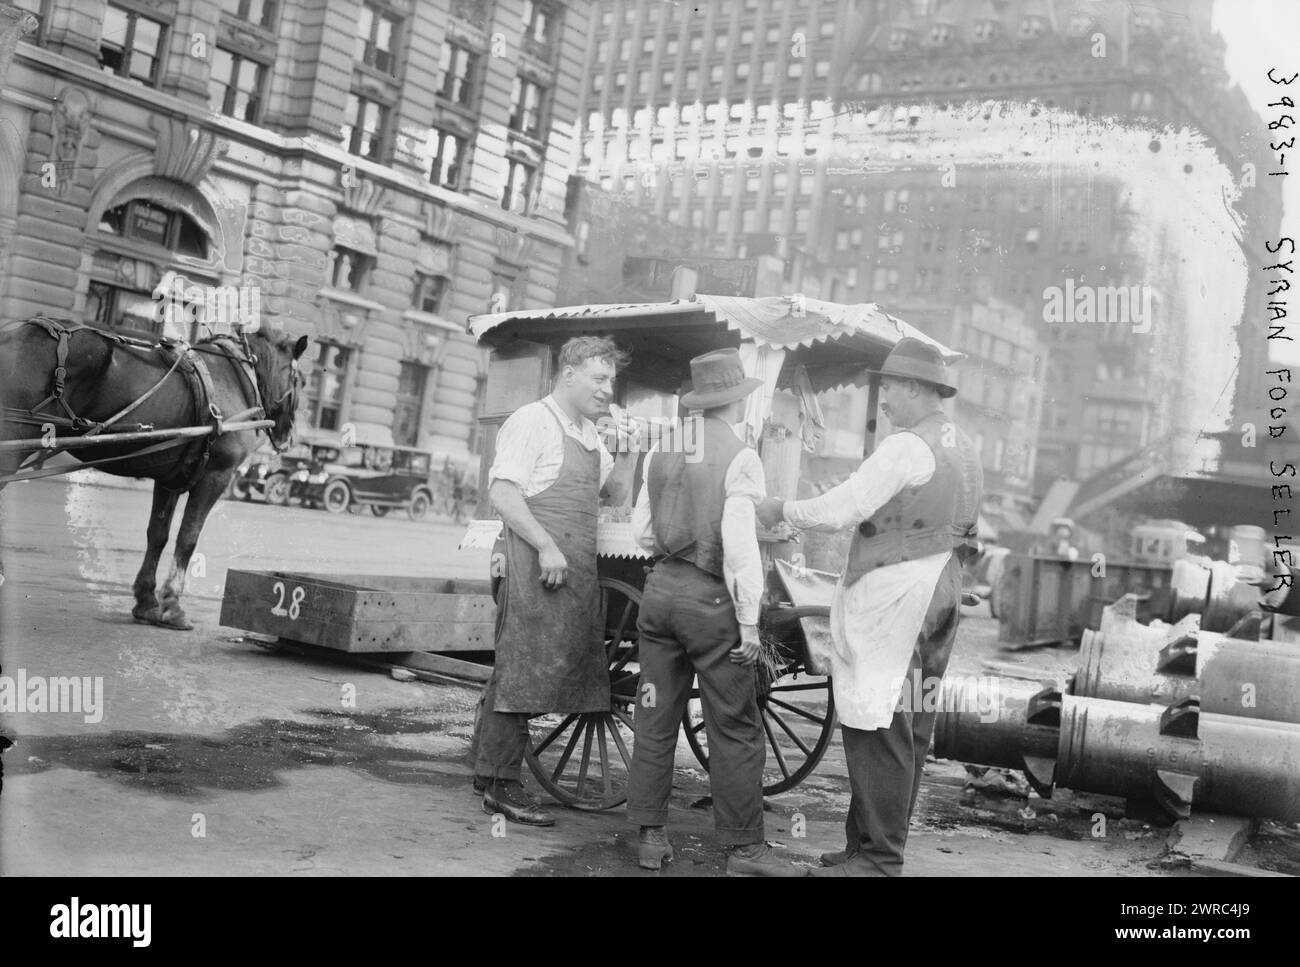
(379, 510)
(277, 490)
(419, 506)
(336, 497)
(239, 488)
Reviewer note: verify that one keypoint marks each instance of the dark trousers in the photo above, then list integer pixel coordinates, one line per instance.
(687, 628)
(885, 764)
(499, 738)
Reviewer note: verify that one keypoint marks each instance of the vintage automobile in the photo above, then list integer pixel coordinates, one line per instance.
(266, 474)
(375, 477)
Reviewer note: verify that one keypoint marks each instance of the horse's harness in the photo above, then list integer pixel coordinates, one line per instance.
(183, 357)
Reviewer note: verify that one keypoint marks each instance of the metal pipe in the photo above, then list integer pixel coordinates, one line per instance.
(1229, 676)
(1179, 757)
(993, 720)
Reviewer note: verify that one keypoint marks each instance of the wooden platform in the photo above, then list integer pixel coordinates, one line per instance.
(362, 612)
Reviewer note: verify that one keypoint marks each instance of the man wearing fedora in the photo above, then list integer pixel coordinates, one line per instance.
(699, 617)
(913, 505)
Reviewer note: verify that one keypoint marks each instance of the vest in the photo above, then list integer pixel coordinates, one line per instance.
(936, 517)
(687, 494)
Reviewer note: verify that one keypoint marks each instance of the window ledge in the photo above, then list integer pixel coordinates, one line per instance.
(431, 320)
(352, 299)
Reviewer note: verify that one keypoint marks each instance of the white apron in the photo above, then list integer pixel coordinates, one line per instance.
(875, 624)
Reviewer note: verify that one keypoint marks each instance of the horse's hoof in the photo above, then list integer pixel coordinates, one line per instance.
(175, 619)
(147, 616)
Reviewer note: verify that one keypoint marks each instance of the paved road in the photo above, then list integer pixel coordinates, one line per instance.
(215, 755)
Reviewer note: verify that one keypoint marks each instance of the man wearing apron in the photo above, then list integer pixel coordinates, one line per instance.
(913, 505)
(545, 483)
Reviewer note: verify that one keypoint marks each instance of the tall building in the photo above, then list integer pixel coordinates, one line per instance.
(369, 172)
(705, 114)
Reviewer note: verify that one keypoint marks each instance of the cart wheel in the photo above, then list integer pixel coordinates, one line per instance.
(379, 510)
(336, 497)
(798, 715)
(583, 759)
(277, 490)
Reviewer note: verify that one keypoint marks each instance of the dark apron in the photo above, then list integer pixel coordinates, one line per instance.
(550, 649)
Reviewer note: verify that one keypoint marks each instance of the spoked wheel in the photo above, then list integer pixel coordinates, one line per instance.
(583, 759)
(797, 711)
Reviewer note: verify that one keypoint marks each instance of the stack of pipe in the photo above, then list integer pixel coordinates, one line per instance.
(1174, 713)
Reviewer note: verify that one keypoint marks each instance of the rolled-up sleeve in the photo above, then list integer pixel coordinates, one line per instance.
(901, 460)
(742, 562)
(519, 445)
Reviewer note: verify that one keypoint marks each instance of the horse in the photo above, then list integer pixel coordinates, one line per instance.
(60, 376)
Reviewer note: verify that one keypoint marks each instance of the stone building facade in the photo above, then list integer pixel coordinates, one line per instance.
(368, 172)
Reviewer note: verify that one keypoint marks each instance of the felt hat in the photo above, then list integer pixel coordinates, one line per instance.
(718, 378)
(913, 359)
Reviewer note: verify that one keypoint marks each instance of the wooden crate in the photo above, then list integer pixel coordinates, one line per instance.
(1044, 600)
(362, 613)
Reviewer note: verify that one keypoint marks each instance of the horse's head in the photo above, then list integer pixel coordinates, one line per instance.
(278, 380)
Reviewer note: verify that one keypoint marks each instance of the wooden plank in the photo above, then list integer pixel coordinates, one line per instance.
(1212, 836)
(278, 605)
(442, 664)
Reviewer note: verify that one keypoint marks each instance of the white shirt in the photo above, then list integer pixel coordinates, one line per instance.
(530, 446)
(742, 563)
(875, 622)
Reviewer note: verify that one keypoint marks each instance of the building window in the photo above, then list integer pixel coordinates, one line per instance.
(526, 114)
(329, 377)
(519, 186)
(448, 156)
(773, 35)
(350, 269)
(822, 68)
(459, 75)
(429, 292)
(363, 132)
(412, 378)
(720, 42)
(377, 33)
(742, 71)
(794, 69)
(258, 12)
(144, 221)
(692, 79)
(696, 43)
(113, 307)
(670, 48)
(236, 85)
(131, 44)
(539, 30)
(746, 37)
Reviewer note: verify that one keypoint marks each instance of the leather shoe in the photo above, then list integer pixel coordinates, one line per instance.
(759, 859)
(652, 848)
(855, 865)
(507, 796)
(480, 784)
(835, 859)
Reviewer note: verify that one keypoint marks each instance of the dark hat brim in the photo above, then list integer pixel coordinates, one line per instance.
(922, 374)
(707, 400)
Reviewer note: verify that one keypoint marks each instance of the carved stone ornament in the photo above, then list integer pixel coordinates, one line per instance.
(15, 24)
(72, 113)
(184, 152)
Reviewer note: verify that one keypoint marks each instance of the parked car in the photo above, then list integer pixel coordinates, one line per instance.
(375, 477)
(266, 474)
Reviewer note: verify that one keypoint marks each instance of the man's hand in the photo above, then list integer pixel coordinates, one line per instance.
(554, 567)
(746, 653)
(771, 511)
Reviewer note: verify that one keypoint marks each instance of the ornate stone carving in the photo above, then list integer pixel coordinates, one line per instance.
(362, 196)
(72, 113)
(184, 152)
(513, 247)
(15, 24)
(443, 223)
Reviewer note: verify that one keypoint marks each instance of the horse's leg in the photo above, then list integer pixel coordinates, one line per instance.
(203, 497)
(160, 525)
